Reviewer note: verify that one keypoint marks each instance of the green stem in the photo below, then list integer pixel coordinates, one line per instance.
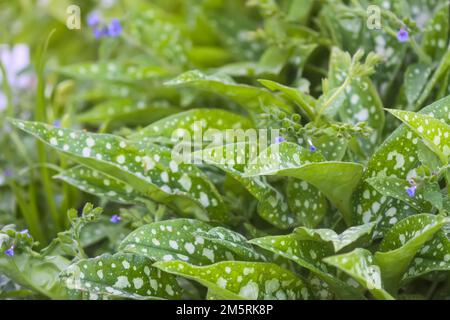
(41, 116)
(441, 69)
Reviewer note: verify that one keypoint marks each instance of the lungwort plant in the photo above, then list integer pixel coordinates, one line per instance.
(130, 169)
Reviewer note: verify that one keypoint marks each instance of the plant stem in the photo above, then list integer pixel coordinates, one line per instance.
(41, 116)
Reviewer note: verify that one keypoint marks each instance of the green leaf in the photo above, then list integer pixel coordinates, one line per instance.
(233, 241)
(40, 274)
(397, 157)
(232, 158)
(435, 37)
(361, 101)
(121, 276)
(100, 185)
(176, 239)
(434, 131)
(126, 111)
(304, 101)
(351, 237)
(308, 254)
(396, 188)
(242, 280)
(402, 242)
(150, 172)
(360, 265)
(113, 71)
(416, 78)
(247, 96)
(308, 203)
(433, 256)
(191, 123)
(287, 159)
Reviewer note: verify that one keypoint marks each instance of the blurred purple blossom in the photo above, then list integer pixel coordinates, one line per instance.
(114, 28)
(10, 252)
(402, 35)
(312, 147)
(280, 139)
(115, 218)
(93, 19)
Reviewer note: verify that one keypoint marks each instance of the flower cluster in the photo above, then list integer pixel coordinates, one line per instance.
(112, 29)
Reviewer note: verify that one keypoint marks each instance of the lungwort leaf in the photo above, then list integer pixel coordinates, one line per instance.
(360, 265)
(121, 276)
(401, 244)
(177, 239)
(291, 160)
(396, 157)
(247, 96)
(354, 236)
(150, 172)
(435, 132)
(101, 185)
(242, 280)
(189, 125)
(308, 254)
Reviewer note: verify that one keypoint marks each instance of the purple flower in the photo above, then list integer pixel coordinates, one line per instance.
(99, 32)
(8, 173)
(10, 251)
(115, 218)
(411, 191)
(312, 147)
(24, 231)
(93, 19)
(114, 28)
(280, 139)
(57, 123)
(402, 35)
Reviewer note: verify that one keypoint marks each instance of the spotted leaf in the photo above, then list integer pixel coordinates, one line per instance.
(351, 237)
(113, 71)
(242, 280)
(435, 37)
(360, 265)
(176, 240)
(291, 160)
(416, 78)
(401, 244)
(396, 188)
(433, 256)
(397, 157)
(247, 96)
(126, 111)
(234, 242)
(232, 159)
(101, 185)
(308, 203)
(121, 276)
(151, 172)
(361, 101)
(434, 131)
(190, 123)
(309, 255)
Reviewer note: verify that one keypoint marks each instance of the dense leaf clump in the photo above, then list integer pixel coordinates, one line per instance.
(344, 194)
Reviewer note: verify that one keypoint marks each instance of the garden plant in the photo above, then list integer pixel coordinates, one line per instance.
(225, 149)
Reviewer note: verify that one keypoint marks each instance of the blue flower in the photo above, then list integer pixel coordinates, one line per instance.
(115, 218)
(10, 252)
(402, 35)
(24, 231)
(93, 19)
(411, 191)
(99, 32)
(114, 28)
(280, 139)
(57, 123)
(8, 173)
(312, 147)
